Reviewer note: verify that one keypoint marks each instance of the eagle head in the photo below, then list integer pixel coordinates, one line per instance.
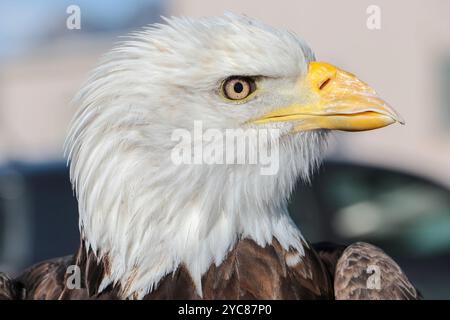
(158, 183)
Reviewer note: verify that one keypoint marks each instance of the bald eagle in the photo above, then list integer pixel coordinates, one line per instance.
(152, 228)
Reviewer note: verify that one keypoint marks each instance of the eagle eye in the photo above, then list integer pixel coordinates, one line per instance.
(238, 88)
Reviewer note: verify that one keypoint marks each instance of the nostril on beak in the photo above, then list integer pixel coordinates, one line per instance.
(324, 84)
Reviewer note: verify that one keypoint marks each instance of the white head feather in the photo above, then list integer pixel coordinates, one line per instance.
(150, 215)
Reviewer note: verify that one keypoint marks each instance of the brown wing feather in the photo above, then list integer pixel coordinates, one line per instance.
(329, 253)
(359, 269)
(45, 281)
(9, 289)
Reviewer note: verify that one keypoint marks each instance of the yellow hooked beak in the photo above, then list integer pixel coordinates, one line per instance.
(333, 99)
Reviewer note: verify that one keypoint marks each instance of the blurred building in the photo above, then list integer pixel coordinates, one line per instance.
(35, 93)
(43, 64)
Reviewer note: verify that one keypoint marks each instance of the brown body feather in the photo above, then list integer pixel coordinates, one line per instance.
(249, 272)
(358, 263)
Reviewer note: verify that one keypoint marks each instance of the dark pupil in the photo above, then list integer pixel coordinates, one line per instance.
(238, 87)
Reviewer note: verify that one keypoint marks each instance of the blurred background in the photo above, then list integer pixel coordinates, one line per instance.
(390, 187)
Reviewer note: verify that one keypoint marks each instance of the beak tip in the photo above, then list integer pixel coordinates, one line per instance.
(396, 116)
(400, 120)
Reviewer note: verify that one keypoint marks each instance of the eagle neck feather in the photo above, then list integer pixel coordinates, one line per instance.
(149, 220)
